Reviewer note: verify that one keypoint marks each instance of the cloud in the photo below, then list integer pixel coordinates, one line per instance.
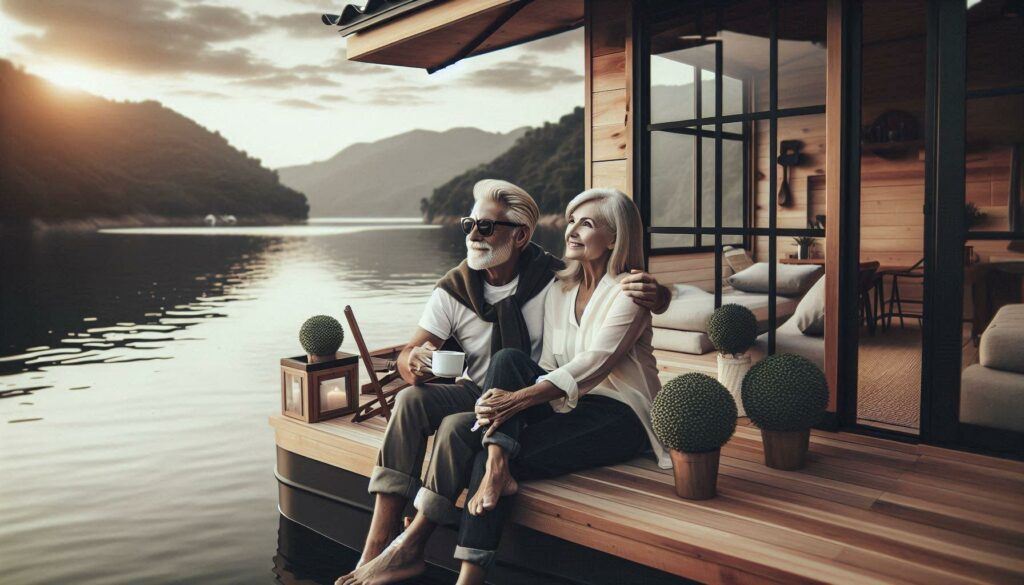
(526, 74)
(201, 93)
(143, 36)
(386, 97)
(287, 81)
(298, 103)
(329, 97)
(572, 40)
(303, 25)
(340, 64)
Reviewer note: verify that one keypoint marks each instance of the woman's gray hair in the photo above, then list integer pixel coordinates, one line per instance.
(519, 206)
(618, 212)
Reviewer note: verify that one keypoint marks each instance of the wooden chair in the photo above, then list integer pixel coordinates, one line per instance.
(865, 285)
(386, 387)
(895, 308)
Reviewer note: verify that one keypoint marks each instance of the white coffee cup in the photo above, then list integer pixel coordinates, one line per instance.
(448, 364)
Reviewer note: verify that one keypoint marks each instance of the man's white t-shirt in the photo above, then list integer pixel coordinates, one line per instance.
(446, 317)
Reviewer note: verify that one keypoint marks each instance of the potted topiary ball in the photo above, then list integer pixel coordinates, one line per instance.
(321, 336)
(733, 330)
(693, 415)
(785, 395)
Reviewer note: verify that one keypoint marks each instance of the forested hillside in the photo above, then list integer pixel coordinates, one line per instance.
(69, 155)
(547, 162)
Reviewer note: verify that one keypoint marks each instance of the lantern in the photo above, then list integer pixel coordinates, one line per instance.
(319, 389)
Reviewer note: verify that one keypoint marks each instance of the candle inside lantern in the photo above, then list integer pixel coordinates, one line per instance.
(332, 394)
(293, 397)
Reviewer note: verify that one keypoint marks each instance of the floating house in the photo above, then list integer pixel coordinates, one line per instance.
(856, 162)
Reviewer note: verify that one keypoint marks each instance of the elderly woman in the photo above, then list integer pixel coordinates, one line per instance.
(587, 403)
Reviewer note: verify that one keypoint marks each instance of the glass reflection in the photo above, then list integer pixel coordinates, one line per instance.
(802, 52)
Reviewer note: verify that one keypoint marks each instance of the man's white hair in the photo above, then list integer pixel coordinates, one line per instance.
(519, 206)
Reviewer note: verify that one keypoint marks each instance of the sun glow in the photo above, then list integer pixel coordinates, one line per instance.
(76, 77)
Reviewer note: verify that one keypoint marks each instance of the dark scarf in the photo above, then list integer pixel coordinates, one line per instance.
(536, 268)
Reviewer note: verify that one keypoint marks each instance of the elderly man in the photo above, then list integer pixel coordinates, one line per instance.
(493, 300)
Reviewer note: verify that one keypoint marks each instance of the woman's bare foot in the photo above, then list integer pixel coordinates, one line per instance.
(497, 482)
(397, 562)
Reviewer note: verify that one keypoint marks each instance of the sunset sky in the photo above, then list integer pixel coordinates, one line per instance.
(272, 79)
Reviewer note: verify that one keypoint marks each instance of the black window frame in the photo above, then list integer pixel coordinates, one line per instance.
(643, 128)
(694, 127)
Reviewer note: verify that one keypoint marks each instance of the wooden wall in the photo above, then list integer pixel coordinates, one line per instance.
(608, 71)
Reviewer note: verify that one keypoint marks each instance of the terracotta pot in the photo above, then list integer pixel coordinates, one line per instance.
(731, 371)
(786, 450)
(696, 474)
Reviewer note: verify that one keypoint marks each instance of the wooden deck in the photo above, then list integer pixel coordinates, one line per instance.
(865, 510)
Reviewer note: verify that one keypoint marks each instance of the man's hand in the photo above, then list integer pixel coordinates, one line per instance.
(496, 406)
(420, 359)
(645, 291)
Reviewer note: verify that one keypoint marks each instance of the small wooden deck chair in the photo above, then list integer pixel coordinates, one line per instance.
(386, 387)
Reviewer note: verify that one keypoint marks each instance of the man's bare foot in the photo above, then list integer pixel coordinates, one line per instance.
(371, 551)
(496, 482)
(397, 562)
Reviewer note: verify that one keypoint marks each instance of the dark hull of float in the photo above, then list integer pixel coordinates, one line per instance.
(334, 503)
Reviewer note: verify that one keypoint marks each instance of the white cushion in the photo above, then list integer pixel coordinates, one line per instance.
(809, 316)
(790, 279)
(992, 398)
(1002, 343)
(692, 342)
(691, 307)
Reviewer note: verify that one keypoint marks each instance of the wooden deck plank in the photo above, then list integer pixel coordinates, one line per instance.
(864, 510)
(786, 513)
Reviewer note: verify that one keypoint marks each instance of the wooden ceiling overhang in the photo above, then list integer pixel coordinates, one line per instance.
(432, 34)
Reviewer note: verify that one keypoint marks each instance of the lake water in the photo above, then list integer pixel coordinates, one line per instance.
(137, 371)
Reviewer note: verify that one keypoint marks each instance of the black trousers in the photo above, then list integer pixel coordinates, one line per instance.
(599, 431)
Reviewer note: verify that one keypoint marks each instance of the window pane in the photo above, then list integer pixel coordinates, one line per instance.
(685, 38)
(802, 36)
(672, 180)
(993, 326)
(671, 88)
(995, 46)
(733, 208)
(662, 241)
(800, 180)
(995, 139)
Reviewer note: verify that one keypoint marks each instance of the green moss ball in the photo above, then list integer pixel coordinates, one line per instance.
(785, 392)
(693, 413)
(321, 335)
(732, 329)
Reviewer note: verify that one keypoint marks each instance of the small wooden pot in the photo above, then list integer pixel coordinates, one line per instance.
(786, 450)
(696, 474)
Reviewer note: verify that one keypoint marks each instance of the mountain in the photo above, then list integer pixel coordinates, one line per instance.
(390, 176)
(67, 155)
(547, 162)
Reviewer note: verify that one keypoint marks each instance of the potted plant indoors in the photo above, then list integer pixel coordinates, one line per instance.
(693, 415)
(732, 329)
(321, 336)
(785, 395)
(804, 244)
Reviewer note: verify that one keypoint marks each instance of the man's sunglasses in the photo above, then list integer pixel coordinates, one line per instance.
(484, 226)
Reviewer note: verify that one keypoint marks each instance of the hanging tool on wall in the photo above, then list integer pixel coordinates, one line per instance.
(789, 156)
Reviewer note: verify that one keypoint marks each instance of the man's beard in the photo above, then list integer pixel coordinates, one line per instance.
(481, 259)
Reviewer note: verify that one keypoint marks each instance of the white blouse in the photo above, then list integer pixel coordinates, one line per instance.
(608, 353)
